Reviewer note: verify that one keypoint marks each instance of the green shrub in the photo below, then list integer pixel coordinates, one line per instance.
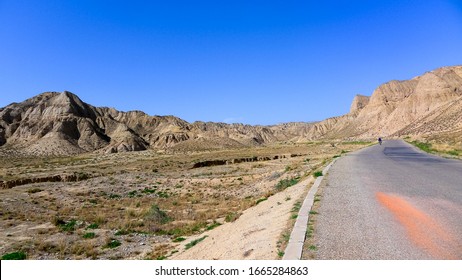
(261, 200)
(285, 183)
(15, 256)
(158, 215)
(214, 225)
(111, 244)
(297, 207)
(179, 239)
(65, 226)
(89, 235)
(317, 174)
(148, 191)
(426, 147)
(93, 226)
(194, 242)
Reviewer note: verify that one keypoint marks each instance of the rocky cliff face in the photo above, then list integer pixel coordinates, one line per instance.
(359, 102)
(428, 104)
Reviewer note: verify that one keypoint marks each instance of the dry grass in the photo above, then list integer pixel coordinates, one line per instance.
(117, 200)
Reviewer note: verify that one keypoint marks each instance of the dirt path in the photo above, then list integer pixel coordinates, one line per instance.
(254, 235)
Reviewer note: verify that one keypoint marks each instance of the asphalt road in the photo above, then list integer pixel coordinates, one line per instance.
(391, 202)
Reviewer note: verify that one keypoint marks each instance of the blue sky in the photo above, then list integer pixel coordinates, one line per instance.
(255, 62)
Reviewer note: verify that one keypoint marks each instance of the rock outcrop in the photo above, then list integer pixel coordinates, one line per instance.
(359, 102)
(428, 104)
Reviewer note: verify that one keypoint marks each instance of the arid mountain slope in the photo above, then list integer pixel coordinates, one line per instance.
(61, 123)
(428, 104)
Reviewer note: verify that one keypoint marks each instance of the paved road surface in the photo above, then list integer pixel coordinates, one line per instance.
(391, 202)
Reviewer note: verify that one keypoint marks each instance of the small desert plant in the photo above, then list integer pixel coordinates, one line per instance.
(89, 235)
(179, 239)
(65, 226)
(15, 256)
(297, 207)
(157, 215)
(148, 190)
(261, 200)
(93, 226)
(317, 174)
(112, 243)
(214, 225)
(231, 217)
(285, 183)
(194, 242)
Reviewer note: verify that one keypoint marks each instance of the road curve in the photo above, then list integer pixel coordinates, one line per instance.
(391, 202)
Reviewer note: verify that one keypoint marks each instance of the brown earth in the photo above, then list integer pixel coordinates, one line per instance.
(146, 200)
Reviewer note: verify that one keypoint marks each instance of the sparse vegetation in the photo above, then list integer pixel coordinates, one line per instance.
(286, 183)
(426, 147)
(122, 192)
(195, 242)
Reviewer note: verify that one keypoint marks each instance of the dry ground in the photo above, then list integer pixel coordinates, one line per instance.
(142, 205)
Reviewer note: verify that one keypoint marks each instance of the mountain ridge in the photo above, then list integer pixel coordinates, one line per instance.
(56, 123)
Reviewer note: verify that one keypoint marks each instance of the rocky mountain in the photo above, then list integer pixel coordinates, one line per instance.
(60, 123)
(428, 106)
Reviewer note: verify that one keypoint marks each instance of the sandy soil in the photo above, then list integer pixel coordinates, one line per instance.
(254, 235)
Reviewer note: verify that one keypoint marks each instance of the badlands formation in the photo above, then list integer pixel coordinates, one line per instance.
(52, 123)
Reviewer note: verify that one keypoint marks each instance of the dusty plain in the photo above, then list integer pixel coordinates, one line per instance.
(154, 205)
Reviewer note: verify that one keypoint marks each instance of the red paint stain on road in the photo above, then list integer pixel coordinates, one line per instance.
(422, 230)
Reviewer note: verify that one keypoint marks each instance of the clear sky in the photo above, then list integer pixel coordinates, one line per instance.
(255, 62)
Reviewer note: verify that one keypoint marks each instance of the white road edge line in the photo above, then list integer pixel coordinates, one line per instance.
(294, 248)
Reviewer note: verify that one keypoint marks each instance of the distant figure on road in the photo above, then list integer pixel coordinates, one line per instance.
(380, 141)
